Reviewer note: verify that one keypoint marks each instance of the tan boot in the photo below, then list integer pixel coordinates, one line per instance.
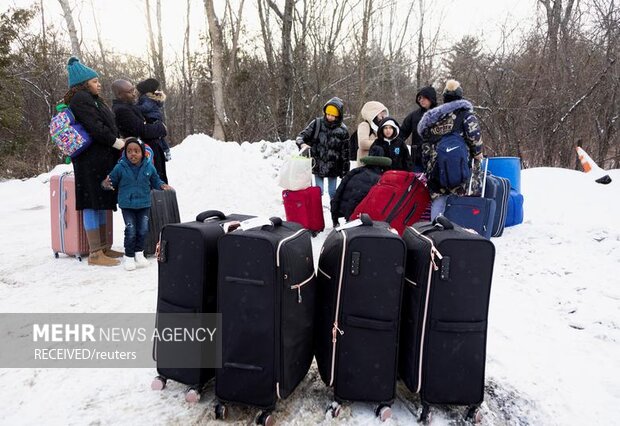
(103, 236)
(112, 253)
(100, 259)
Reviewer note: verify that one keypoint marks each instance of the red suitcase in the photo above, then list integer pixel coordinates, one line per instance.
(399, 198)
(305, 207)
(68, 235)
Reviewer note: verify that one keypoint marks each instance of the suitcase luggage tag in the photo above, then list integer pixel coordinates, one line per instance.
(255, 222)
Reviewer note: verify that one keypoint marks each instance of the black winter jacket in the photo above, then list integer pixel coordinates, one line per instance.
(396, 148)
(131, 122)
(93, 165)
(330, 149)
(352, 190)
(410, 125)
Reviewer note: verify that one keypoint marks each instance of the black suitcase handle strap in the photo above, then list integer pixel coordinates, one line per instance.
(443, 222)
(209, 214)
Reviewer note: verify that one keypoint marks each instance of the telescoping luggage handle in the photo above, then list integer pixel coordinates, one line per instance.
(484, 180)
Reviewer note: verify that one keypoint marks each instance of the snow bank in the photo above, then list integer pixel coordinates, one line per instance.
(554, 325)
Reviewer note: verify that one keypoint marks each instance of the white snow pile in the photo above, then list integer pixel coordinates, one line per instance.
(554, 324)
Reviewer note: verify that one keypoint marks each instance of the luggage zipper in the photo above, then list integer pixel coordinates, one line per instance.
(284, 241)
(300, 285)
(324, 273)
(434, 252)
(390, 217)
(411, 282)
(335, 329)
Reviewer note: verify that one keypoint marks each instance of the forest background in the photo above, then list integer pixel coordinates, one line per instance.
(250, 70)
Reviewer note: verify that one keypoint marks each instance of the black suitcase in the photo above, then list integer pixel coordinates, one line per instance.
(444, 315)
(266, 295)
(187, 283)
(164, 210)
(360, 281)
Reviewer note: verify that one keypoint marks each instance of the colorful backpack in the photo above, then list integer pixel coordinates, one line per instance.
(67, 134)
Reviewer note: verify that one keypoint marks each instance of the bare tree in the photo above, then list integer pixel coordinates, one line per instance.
(75, 42)
(217, 72)
(156, 53)
(285, 100)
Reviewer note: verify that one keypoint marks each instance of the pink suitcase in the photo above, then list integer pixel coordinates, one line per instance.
(68, 235)
(305, 207)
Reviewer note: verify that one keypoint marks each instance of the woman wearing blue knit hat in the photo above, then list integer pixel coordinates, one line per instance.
(93, 164)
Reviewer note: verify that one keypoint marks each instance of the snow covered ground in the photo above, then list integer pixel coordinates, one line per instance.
(554, 336)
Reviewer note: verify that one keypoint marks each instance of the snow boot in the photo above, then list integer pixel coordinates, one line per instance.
(107, 250)
(129, 262)
(100, 259)
(141, 261)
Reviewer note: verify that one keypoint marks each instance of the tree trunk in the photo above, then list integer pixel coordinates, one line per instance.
(217, 72)
(75, 42)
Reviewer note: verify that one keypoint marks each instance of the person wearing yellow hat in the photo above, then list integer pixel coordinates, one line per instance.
(328, 140)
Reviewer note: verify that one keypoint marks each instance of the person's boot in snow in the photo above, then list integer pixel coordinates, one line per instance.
(103, 236)
(129, 263)
(100, 259)
(141, 261)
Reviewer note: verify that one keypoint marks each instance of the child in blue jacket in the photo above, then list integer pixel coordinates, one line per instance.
(134, 176)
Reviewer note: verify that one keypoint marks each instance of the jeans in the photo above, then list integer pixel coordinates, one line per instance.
(331, 185)
(438, 206)
(94, 219)
(136, 227)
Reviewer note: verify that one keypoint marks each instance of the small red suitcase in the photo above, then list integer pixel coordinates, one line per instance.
(305, 207)
(399, 198)
(68, 235)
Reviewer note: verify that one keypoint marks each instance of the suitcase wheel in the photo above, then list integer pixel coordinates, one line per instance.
(265, 418)
(426, 415)
(474, 414)
(221, 411)
(158, 383)
(333, 409)
(383, 412)
(79, 258)
(56, 255)
(192, 395)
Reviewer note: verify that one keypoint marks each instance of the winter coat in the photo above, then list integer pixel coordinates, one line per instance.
(395, 147)
(352, 190)
(330, 150)
(93, 164)
(367, 129)
(150, 105)
(131, 122)
(410, 126)
(452, 117)
(134, 183)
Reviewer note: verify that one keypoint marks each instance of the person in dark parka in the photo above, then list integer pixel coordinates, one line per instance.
(392, 145)
(131, 123)
(426, 99)
(330, 150)
(357, 183)
(94, 163)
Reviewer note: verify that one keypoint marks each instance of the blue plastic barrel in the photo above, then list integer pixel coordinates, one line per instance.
(507, 167)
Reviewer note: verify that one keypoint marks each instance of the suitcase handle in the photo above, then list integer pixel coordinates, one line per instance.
(210, 214)
(366, 219)
(443, 221)
(276, 221)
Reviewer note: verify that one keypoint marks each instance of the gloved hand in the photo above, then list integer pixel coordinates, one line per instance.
(119, 143)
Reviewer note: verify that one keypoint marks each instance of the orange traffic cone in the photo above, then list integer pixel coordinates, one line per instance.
(586, 161)
(589, 165)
